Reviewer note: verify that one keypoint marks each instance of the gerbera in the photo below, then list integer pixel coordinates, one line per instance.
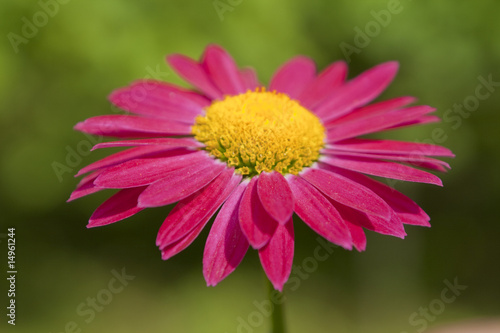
(260, 155)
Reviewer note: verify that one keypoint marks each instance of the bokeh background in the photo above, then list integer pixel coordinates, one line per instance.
(60, 73)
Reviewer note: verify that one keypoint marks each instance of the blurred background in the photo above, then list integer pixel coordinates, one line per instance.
(60, 59)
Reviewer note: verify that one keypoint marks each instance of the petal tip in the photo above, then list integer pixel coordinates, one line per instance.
(92, 224)
(173, 57)
(402, 235)
(346, 245)
(360, 248)
(114, 96)
(278, 285)
(79, 126)
(392, 66)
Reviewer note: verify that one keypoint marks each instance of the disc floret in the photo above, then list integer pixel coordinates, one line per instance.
(261, 131)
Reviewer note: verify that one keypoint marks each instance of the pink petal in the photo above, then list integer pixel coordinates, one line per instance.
(131, 126)
(408, 211)
(358, 237)
(393, 226)
(159, 100)
(414, 218)
(257, 225)
(391, 147)
(375, 123)
(172, 249)
(375, 109)
(85, 186)
(249, 78)
(347, 192)
(318, 213)
(179, 184)
(419, 121)
(222, 70)
(417, 160)
(277, 256)
(294, 76)
(139, 172)
(383, 169)
(164, 90)
(163, 143)
(359, 91)
(121, 157)
(226, 244)
(196, 209)
(431, 164)
(194, 73)
(323, 85)
(120, 206)
(275, 196)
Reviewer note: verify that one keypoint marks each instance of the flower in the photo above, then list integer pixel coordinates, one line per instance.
(261, 155)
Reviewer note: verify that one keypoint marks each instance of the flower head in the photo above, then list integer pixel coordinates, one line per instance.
(260, 155)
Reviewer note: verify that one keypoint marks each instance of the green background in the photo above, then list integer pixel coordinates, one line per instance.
(62, 75)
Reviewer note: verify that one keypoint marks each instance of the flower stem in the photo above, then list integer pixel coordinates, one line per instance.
(277, 321)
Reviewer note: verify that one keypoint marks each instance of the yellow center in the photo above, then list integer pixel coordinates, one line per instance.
(261, 131)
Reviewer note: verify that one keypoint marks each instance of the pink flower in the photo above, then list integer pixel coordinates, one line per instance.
(260, 155)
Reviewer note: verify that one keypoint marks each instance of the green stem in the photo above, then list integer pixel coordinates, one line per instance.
(277, 320)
